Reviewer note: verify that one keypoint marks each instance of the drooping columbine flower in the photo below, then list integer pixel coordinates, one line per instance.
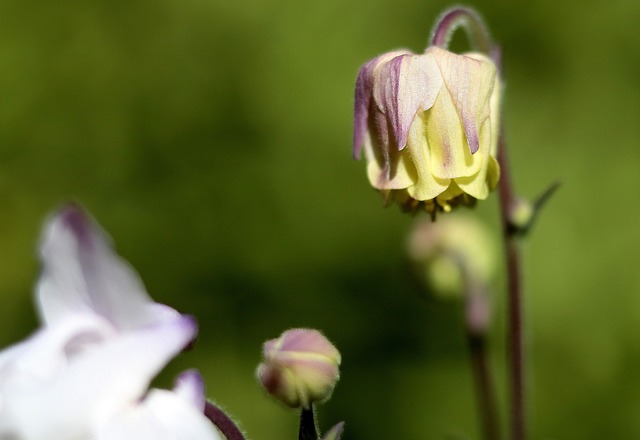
(299, 368)
(85, 373)
(429, 127)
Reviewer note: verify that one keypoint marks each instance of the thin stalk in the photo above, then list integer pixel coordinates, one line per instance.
(477, 319)
(480, 40)
(470, 21)
(308, 428)
(223, 422)
(484, 387)
(512, 254)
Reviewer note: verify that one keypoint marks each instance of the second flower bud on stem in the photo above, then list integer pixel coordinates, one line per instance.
(300, 368)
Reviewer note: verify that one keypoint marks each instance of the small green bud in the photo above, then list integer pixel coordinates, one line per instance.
(299, 368)
(441, 251)
(444, 276)
(522, 213)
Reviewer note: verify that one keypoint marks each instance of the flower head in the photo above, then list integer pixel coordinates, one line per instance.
(299, 368)
(429, 127)
(86, 371)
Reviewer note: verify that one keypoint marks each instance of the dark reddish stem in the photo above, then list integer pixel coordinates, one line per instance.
(308, 427)
(223, 422)
(470, 21)
(512, 254)
(484, 385)
(479, 38)
(477, 319)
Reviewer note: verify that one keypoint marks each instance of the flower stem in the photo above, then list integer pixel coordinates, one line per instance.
(512, 254)
(484, 386)
(480, 40)
(477, 319)
(470, 21)
(308, 428)
(223, 422)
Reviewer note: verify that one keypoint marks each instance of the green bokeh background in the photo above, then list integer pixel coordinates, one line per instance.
(212, 140)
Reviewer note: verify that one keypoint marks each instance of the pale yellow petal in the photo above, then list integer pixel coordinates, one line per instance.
(450, 154)
(452, 191)
(476, 185)
(403, 176)
(427, 186)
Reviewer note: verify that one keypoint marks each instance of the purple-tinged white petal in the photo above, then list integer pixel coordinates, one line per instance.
(403, 87)
(190, 388)
(162, 415)
(82, 273)
(364, 86)
(95, 384)
(44, 354)
(470, 83)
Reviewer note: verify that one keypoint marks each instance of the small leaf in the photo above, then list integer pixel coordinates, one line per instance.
(522, 224)
(334, 433)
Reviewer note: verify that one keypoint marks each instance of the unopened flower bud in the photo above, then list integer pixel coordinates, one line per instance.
(299, 368)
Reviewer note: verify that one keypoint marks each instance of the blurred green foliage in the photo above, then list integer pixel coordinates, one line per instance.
(212, 140)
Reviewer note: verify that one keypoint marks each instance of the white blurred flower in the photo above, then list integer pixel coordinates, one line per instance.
(85, 373)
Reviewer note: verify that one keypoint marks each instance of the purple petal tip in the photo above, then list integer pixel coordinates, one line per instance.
(191, 385)
(474, 144)
(191, 378)
(75, 219)
(190, 326)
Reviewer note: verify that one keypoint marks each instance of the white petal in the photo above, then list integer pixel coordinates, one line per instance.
(190, 388)
(163, 415)
(82, 273)
(48, 351)
(94, 385)
(29, 367)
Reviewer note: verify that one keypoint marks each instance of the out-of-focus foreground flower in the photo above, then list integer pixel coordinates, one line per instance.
(429, 126)
(299, 368)
(85, 373)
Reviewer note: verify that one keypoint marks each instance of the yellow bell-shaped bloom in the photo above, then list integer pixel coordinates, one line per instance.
(429, 127)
